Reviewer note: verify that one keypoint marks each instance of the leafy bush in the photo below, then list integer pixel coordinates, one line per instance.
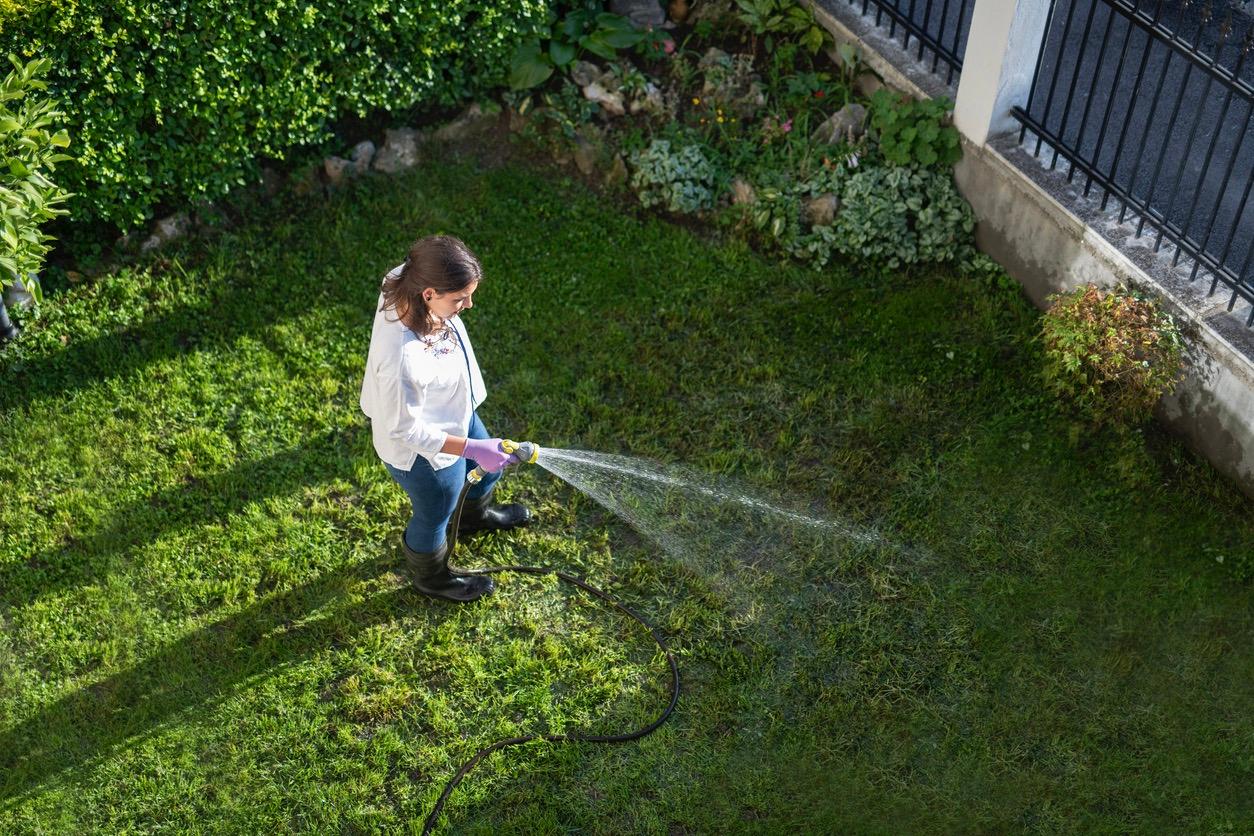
(911, 132)
(681, 181)
(895, 216)
(778, 216)
(28, 153)
(1111, 355)
(175, 99)
(783, 17)
(587, 28)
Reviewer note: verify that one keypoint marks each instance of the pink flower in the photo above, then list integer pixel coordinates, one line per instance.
(787, 126)
(668, 45)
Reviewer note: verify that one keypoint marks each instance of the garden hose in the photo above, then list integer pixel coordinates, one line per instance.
(528, 452)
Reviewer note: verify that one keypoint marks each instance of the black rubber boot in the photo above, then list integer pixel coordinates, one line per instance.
(481, 515)
(429, 574)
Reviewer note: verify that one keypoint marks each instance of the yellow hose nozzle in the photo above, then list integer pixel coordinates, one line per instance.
(524, 451)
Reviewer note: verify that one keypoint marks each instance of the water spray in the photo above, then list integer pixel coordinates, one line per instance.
(529, 453)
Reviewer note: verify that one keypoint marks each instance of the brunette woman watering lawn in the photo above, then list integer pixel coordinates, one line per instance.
(421, 388)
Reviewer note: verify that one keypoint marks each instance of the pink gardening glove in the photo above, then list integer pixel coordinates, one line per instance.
(487, 453)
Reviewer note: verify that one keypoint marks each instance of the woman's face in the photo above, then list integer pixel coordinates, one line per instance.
(445, 305)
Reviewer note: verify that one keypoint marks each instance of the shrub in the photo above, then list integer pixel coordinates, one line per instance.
(778, 215)
(1111, 355)
(171, 100)
(681, 181)
(782, 17)
(28, 154)
(895, 216)
(911, 132)
(586, 28)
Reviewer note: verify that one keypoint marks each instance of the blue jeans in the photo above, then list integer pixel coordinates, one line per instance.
(433, 493)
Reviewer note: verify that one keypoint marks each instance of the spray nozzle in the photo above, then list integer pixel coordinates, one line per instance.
(522, 451)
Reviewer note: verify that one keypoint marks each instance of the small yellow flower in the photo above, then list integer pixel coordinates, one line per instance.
(720, 118)
(695, 100)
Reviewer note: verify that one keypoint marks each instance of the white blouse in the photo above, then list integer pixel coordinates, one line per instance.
(418, 391)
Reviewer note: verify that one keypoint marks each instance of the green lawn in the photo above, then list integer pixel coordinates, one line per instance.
(203, 625)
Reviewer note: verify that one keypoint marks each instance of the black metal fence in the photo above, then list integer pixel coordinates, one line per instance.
(1151, 101)
(938, 28)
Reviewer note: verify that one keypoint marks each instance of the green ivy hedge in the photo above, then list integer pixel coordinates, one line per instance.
(168, 100)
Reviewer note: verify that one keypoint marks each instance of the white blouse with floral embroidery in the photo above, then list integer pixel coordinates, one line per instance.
(417, 391)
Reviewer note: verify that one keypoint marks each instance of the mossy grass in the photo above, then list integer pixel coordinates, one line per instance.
(203, 626)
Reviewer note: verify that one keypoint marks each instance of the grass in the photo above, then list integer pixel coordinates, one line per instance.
(203, 625)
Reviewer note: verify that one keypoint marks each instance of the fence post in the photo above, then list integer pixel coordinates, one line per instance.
(1002, 49)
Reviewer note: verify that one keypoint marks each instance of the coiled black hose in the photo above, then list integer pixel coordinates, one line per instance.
(552, 738)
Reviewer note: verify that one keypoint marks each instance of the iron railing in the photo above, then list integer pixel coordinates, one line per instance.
(1150, 100)
(938, 27)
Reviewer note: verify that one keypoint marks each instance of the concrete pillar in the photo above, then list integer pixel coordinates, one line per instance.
(1002, 48)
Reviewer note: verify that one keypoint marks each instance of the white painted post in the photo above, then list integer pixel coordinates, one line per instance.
(1002, 48)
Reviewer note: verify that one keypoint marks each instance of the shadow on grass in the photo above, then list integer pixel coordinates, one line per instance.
(91, 559)
(202, 667)
(249, 296)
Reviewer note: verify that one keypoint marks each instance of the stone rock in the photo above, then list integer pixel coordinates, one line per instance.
(611, 103)
(167, 229)
(399, 152)
(472, 119)
(610, 81)
(618, 171)
(336, 169)
(642, 13)
(866, 84)
(729, 81)
(848, 123)
(742, 192)
(821, 210)
(747, 104)
(175, 226)
(585, 154)
(361, 155)
(714, 57)
(650, 102)
(711, 10)
(584, 73)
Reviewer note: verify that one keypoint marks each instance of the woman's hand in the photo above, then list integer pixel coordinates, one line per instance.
(487, 453)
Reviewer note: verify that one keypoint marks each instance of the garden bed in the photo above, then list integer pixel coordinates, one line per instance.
(203, 624)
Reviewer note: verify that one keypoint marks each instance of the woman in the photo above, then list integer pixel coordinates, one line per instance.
(421, 388)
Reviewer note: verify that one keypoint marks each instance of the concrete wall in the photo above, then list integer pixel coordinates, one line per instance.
(1038, 226)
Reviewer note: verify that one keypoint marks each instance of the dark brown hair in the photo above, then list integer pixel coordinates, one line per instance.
(440, 262)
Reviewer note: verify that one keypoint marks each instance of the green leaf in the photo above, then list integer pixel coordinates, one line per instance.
(622, 39)
(529, 67)
(561, 52)
(597, 45)
(60, 139)
(573, 25)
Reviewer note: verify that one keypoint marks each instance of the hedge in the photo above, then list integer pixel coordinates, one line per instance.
(167, 100)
